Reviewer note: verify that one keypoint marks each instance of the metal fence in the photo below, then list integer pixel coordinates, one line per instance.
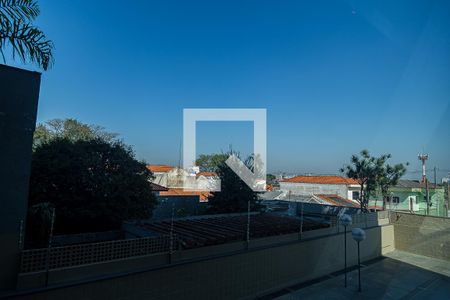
(34, 260)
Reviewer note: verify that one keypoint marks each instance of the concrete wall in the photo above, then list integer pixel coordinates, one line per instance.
(223, 271)
(19, 93)
(423, 235)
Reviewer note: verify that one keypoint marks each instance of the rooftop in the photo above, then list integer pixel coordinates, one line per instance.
(203, 195)
(399, 275)
(213, 230)
(404, 183)
(159, 168)
(321, 180)
(337, 200)
(207, 174)
(157, 188)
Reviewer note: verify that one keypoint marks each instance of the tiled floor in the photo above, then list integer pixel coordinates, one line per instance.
(400, 275)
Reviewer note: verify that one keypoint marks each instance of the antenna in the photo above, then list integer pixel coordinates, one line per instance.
(423, 158)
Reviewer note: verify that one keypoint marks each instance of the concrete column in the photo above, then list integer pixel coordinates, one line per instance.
(19, 94)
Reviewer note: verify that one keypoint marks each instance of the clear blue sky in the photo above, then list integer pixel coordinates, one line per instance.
(334, 76)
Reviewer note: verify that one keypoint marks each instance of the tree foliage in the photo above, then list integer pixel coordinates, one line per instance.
(390, 175)
(271, 179)
(26, 40)
(210, 162)
(70, 129)
(371, 173)
(235, 193)
(94, 185)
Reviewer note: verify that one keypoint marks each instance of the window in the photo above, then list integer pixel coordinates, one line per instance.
(355, 195)
(395, 199)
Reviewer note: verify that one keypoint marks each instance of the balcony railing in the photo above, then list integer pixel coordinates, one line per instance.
(35, 260)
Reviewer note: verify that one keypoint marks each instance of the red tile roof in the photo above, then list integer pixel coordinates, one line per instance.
(337, 200)
(159, 168)
(207, 174)
(321, 180)
(203, 195)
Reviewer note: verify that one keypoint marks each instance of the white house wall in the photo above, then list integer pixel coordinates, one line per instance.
(304, 189)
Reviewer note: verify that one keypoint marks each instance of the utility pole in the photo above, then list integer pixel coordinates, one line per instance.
(435, 185)
(427, 196)
(424, 158)
(435, 182)
(448, 199)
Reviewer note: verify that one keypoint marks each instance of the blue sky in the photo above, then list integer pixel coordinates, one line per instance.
(334, 76)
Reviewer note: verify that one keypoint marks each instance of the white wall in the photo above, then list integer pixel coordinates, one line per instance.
(305, 189)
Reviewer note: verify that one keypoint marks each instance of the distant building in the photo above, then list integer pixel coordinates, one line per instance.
(157, 189)
(178, 178)
(343, 187)
(160, 173)
(180, 192)
(410, 195)
(323, 199)
(335, 200)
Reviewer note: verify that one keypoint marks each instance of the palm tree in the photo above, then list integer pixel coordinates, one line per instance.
(18, 32)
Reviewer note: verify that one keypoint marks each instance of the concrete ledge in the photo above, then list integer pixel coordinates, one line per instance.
(228, 274)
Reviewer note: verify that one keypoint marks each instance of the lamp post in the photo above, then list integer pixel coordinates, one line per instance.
(359, 235)
(345, 220)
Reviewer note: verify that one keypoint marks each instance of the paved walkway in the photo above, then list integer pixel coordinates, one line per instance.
(400, 275)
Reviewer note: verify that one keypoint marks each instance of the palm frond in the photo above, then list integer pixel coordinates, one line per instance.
(19, 10)
(27, 41)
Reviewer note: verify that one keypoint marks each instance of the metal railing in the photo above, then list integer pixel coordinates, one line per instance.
(42, 259)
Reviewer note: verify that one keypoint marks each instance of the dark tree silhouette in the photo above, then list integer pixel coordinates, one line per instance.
(93, 185)
(235, 193)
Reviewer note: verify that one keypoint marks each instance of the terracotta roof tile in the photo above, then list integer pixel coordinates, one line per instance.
(337, 200)
(159, 168)
(204, 195)
(207, 174)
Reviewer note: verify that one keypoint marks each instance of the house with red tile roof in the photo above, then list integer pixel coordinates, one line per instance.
(176, 192)
(157, 189)
(335, 200)
(207, 174)
(178, 178)
(159, 168)
(340, 186)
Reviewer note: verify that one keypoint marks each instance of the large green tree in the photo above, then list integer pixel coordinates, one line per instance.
(389, 176)
(92, 179)
(235, 194)
(18, 32)
(372, 173)
(210, 162)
